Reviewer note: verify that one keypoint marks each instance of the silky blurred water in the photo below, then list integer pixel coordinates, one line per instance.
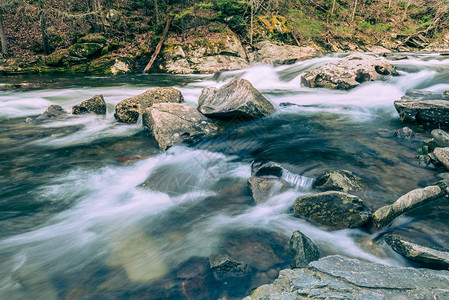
(91, 209)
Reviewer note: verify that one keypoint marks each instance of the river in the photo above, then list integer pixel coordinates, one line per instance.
(78, 220)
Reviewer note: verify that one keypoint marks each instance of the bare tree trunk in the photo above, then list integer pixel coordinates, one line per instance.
(252, 23)
(389, 3)
(3, 39)
(159, 46)
(156, 10)
(353, 12)
(45, 44)
(333, 7)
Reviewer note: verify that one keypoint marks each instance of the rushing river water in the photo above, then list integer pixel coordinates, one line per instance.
(78, 221)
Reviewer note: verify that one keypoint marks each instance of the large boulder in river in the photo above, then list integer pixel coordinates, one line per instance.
(338, 277)
(52, 112)
(442, 155)
(129, 110)
(348, 72)
(423, 107)
(423, 255)
(173, 123)
(237, 99)
(281, 54)
(95, 105)
(335, 210)
(386, 214)
(263, 188)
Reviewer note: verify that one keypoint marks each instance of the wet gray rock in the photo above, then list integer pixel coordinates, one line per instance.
(348, 72)
(129, 110)
(338, 277)
(173, 123)
(386, 214)
(338, 180)
(302, 249)
(423, 255)
(270, 53)
(442, 155)
(95, 105)
(440, 137)
(263, 188)
(237, 99)
(266, 169)
(335, 210)
(52, 112)
(225, 268)
(404, 133)
(423, 107)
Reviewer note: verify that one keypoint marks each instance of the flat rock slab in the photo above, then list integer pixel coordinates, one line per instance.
(336, 210)
(442, 154)
(338, 277)
(348, 72)
(426, 256)
(281, 54)
(174, 123)
(441, 137)
(236, 99)
(423, 107)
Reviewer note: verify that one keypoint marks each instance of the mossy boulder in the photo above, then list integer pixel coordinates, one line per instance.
(92, 38)
(338, 180)
(95, 105)
(85, 50)
(108, 64)
(335, 210)
(55, 59)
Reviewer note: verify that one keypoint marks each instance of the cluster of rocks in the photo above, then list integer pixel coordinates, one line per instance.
(169, 120)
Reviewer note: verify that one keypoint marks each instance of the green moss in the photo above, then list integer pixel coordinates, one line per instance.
(85, 50)
(93, 38)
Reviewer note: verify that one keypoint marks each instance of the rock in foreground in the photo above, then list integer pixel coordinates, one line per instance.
(426, 256)
(173, 123)
(302, 249)
(95, 105)
(338, 277)
(237, 99)
(348, 72)
(423, 107)
(336, 210)
(129, 110)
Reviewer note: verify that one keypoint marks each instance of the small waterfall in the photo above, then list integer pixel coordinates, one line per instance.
(300, 183)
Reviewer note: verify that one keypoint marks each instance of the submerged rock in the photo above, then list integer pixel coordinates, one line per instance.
(237, 99)
(404, 133)
(336, 210)
(263, 188)
(348, 72)
(173, 123)
(426, 256)
(95, 105)
(52, 112)
(302, 249)
(338, 180)
(386, 214)
(129, 110)
(338, 277)
(225, 268)
(440, 137)
(423, 107)
(270, 53)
